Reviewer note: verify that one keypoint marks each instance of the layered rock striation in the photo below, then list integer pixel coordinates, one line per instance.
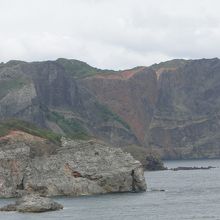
(171, 108)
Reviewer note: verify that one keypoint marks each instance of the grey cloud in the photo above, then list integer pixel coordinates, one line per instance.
(109, 33)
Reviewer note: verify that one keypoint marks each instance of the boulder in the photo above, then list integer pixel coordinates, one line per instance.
(33, 203)
(153, 162)
(8, 208)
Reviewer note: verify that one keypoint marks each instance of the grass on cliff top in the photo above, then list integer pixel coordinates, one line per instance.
(14, 124)
(79, 69)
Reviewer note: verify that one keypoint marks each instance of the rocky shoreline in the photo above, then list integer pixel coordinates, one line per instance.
(76, 168)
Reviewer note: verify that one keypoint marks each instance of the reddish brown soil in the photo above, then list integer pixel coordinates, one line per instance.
(126, 74)
(16, 135)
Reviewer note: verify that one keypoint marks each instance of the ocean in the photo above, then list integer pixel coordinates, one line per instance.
(171, 195)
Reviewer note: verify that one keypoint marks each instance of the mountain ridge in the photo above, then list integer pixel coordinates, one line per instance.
(166, 108)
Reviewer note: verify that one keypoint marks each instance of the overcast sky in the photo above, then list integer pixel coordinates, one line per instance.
(115, 34)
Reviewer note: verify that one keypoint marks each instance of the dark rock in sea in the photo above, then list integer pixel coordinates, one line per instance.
(192, 168)
(157, 190)
(153, 163)
(33, 203)
(150, 160)
(8, 208)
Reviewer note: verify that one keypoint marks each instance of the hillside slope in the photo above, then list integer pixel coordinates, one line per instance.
(171, 108)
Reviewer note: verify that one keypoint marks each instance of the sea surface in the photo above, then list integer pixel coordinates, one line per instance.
(192, 194)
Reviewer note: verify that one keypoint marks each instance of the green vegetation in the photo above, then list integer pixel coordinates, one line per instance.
(14, 124)
(73, 128)
(80, 69)
(106, 114)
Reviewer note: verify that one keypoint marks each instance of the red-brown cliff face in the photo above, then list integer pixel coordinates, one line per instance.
(131, 94)
(172, 107)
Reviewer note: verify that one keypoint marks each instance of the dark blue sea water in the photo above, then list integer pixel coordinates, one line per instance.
(191, 194)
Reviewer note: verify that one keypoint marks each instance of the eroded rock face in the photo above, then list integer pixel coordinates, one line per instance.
(186, 119)
(76, 168)
(14, 160)
(84, 168)
(132, 94)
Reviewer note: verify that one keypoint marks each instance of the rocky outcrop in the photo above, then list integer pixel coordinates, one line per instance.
(84, 168)
(14, 159)
(33, 203)
(148, 158)
(153, 162)
(76, 168)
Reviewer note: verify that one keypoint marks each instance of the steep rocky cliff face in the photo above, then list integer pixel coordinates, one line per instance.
(171, 108)
(50, 95)
(73, 168)
(186, 117)
(131, 94)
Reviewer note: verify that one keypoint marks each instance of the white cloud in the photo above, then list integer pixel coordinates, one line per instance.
(109, 33)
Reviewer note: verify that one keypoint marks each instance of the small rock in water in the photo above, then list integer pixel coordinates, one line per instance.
(33, 203)
(8, 208)
(158, 190)
(192, 168)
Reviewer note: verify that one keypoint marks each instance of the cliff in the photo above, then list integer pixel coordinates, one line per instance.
(130, 94)
(186, 117)
(50, 95)
(169, 108)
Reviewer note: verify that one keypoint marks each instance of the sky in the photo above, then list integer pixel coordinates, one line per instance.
(109, 34)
